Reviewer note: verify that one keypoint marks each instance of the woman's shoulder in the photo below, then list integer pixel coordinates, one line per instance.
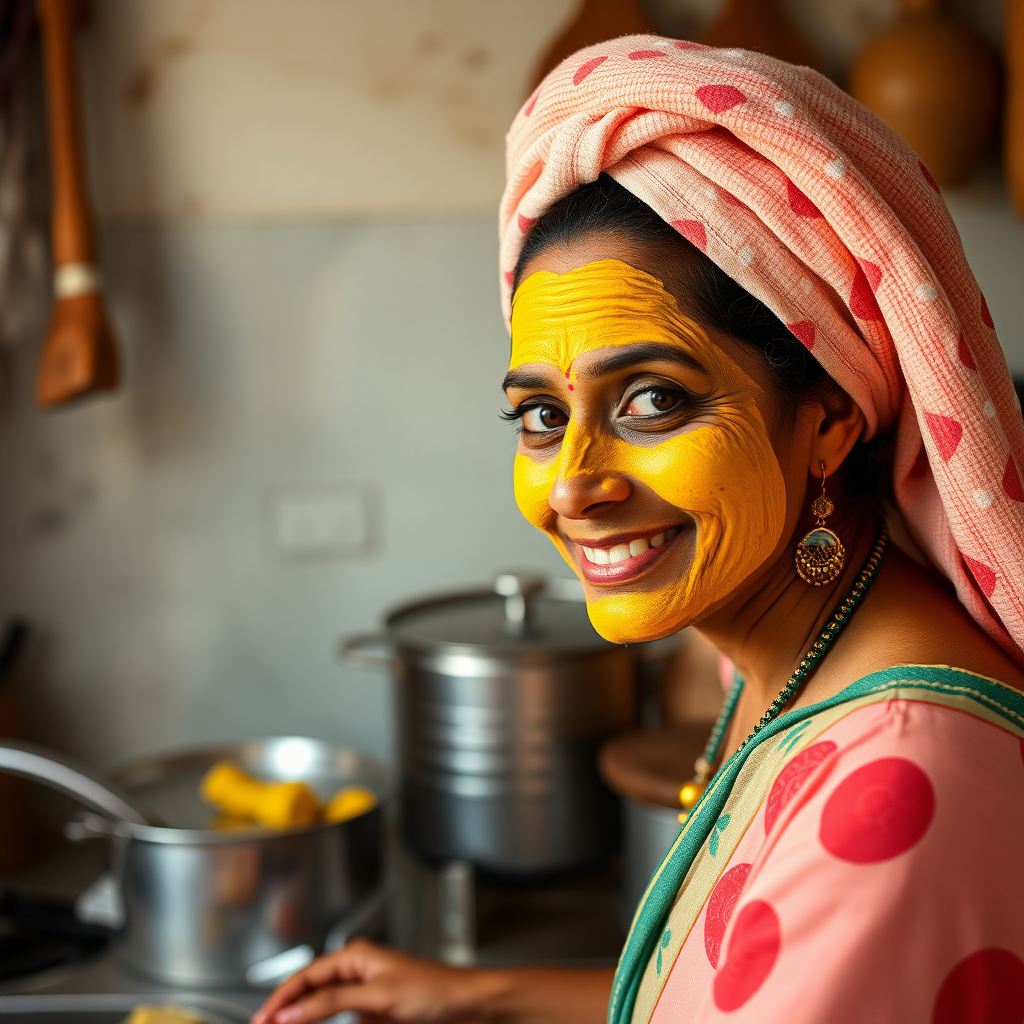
(889, 848)
(910, 618)
(935, 733)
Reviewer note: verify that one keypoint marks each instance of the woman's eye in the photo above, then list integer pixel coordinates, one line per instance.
(653, 402)
(539, 418)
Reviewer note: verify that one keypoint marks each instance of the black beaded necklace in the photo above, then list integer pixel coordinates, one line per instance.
(692, 791)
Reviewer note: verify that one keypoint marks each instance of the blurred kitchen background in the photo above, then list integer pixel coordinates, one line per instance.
(296, 206)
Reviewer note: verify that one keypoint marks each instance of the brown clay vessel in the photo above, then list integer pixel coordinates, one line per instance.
(596, 21)
(936, 83)
(759, 25)
(1014, 126)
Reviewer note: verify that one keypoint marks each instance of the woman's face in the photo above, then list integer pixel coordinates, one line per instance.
(644, 451)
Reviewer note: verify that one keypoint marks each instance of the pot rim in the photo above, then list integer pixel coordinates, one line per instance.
(134, 774)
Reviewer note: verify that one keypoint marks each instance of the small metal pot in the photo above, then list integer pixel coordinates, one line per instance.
(207, 907)
(504, 697)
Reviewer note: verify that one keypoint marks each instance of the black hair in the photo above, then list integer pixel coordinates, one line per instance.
(713, 299)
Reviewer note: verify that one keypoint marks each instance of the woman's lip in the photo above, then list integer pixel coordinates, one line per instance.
(628, 568)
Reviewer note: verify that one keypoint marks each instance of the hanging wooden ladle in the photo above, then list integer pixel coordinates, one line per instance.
(79, 355)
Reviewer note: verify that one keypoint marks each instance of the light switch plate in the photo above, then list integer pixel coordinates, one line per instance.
(319, 521)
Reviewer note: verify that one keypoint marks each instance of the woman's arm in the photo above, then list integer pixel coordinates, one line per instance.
(390, 986)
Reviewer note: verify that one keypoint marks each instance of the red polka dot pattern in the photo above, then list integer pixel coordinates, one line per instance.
(693, 231)
(877, 812)
(986, 987)
(584, 69)
(873, 272)
(721, 904)
(986, 316)
(645, 54)
(720, 98)
(525, 223)
(799, 203)
(685, 44)
(753, 950)
(863, 304)
(963, 353)
(792, 778)
(984, 576)
(804, 330)
(946, 434)
(1011, 481)
(510, 276)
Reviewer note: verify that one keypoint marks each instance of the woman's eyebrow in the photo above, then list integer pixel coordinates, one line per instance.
(524, 379)
(630, 354)
(625, 356)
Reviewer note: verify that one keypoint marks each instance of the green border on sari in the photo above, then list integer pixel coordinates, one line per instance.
(986, 698)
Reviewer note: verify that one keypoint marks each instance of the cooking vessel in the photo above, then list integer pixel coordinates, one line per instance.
(504, 696)
(206, 906)
(646, 768)
(103, 1008)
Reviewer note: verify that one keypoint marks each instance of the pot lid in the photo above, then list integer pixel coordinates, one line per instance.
(521, 615)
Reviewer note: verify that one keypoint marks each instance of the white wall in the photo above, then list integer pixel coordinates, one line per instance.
(258, 356)
(246, 108)
(276, 334)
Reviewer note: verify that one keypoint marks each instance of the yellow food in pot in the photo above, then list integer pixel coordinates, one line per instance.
(276, 805)
(163, 1015)
(348, 803)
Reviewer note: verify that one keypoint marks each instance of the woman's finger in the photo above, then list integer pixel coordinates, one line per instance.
(332, 999)
(343, 966)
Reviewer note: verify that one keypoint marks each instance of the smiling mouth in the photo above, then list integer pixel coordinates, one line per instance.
(625, 558)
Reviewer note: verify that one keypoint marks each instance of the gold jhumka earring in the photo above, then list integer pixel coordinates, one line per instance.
(820, 555)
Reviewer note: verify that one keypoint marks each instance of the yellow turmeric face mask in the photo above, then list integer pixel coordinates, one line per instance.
(697, 499)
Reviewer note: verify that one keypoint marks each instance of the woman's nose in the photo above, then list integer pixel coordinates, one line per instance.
(583, 495)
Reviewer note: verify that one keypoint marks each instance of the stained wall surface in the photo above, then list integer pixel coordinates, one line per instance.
(298, 228)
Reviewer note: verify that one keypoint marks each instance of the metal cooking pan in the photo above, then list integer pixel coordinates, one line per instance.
(202, 905)
(110, 1009)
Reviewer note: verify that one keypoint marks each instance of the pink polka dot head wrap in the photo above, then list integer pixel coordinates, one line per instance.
(821, 211)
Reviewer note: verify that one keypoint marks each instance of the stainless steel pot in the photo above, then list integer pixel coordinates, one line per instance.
(203, 906)
(505, 695)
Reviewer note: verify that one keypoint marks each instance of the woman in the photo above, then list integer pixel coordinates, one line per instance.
(744, 337)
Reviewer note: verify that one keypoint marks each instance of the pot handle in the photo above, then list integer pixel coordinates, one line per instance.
(363, 650)
(53, 769)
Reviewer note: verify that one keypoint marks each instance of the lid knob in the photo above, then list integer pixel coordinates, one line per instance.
(519, 590)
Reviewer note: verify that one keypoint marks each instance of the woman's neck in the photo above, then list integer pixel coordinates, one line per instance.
(767, 629)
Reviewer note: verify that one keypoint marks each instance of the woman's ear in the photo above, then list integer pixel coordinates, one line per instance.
(838, 424)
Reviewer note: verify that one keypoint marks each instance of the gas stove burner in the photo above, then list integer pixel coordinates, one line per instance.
(39, 932)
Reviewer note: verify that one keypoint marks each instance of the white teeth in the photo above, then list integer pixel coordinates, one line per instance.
(620, 552)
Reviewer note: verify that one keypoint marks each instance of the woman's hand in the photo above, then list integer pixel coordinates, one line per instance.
(385, 985)
(377, 982)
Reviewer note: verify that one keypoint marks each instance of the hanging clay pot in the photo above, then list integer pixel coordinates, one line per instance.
(1014, 138)
(596, 21)
(936, 83)
(759, 25)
